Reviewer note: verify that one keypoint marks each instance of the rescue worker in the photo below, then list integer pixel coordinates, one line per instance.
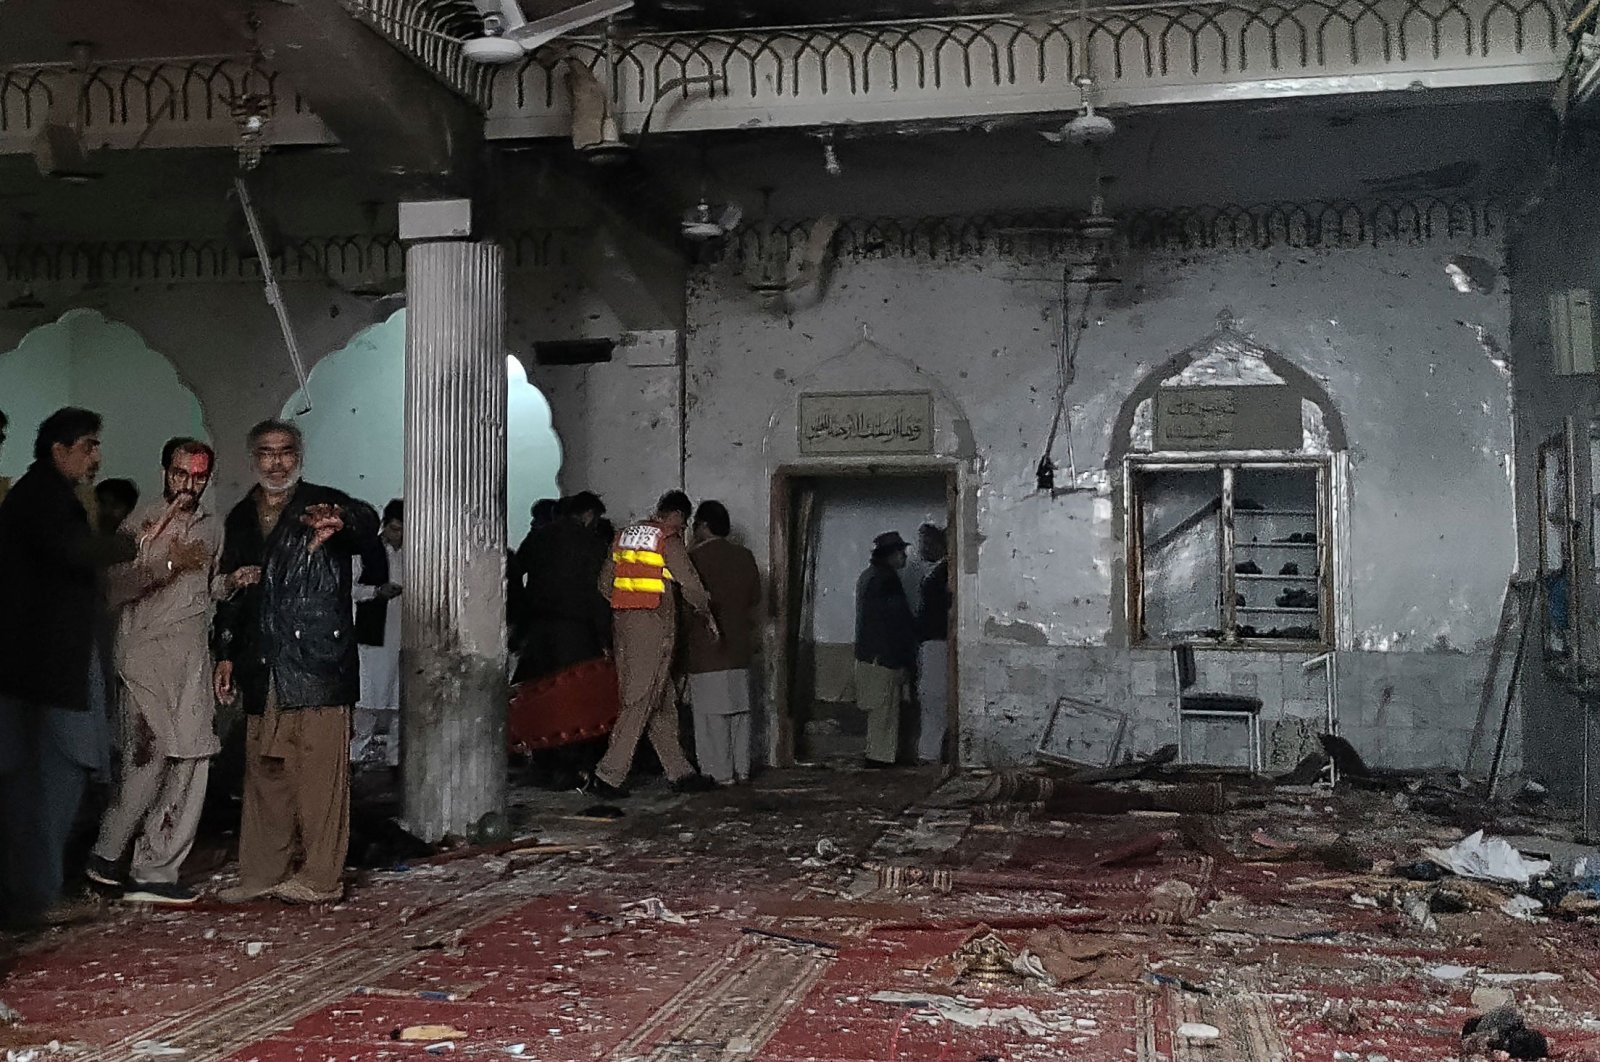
(163, 657)
(646, 559)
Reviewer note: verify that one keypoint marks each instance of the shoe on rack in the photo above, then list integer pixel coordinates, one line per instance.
(167, 893)
(104, 872)
(296, 891)
(694, 783)
(599, 787)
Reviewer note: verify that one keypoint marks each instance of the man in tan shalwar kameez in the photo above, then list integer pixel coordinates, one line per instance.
(647, 560)
(163, 661)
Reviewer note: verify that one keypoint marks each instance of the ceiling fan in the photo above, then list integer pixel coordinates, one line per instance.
(508, 35)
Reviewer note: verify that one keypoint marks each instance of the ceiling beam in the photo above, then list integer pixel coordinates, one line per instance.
(382, 105)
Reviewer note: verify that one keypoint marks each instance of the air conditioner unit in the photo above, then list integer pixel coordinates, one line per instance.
(1572, 331)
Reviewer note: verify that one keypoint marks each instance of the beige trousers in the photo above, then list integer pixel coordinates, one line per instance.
(879, 692)
(644, 643)
(296, 821)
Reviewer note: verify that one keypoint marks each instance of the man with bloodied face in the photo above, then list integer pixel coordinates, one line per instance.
(163, 664)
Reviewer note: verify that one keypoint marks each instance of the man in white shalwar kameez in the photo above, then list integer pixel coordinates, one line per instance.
(377, 715)
(163, 662)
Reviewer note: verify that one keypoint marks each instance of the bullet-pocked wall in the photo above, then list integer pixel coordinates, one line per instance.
(1411, 364)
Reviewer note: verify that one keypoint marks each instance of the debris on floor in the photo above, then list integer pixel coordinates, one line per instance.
(1163, 912)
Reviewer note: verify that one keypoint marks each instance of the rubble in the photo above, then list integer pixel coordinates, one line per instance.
(1503, 1029)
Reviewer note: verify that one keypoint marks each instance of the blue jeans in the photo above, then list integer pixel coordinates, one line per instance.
(47, 756)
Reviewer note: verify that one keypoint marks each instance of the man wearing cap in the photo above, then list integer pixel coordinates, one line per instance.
(886, 647)
(163, 659)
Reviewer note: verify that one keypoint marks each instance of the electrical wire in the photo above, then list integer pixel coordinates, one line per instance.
(1069, 338)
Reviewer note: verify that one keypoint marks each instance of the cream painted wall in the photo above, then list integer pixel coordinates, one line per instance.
(85, 360)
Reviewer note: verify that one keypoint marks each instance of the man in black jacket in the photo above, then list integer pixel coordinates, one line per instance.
(886, 647)
(53, 725)
(287, 645)
(567, 620)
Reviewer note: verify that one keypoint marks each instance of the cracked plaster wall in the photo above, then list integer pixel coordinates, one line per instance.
(1557, 248)
(1396, 347)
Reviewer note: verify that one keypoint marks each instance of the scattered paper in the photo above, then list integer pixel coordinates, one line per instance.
(156, 1049)
(1195, 1030)
(9, 1015)
(1456, 973)
(428, 1033)
(1524, 908)
(1450, 973)
(652, 907)
(254, 948)
(1510, 978)
(965, 1014)
(1487, 859)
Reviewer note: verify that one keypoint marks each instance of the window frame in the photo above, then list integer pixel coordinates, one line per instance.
(1228, 465)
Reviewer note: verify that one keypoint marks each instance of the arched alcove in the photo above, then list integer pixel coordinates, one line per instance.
(1233, 518)
(1229, 358)
(355, 432)
(84, 359)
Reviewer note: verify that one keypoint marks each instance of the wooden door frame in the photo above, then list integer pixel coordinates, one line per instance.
(784, 478)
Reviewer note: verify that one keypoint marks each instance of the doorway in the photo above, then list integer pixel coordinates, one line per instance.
(825, 521)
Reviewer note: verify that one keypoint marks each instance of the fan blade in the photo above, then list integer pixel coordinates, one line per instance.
(591, 106)
(541, 30)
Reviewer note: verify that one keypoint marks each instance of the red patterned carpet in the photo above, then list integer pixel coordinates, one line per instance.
(764, 946)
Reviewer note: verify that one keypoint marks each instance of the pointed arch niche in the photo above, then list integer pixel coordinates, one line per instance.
(85, 359)
(355, 432)
(1232, 470)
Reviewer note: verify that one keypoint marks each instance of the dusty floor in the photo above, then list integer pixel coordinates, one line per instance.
(762, 923)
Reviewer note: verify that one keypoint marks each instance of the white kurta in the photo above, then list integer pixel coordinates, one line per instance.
(379, 705)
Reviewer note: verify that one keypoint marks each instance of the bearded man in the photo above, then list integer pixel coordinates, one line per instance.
(163, 660)
(287, 645)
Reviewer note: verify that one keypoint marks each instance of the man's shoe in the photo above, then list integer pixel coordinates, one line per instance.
(245, 893)
(103, 871)
(877, 765)
(694, 783)
(295, 891)
(599, 787)
(167, 893)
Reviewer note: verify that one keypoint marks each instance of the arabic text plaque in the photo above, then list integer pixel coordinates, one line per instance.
(1262, 417)
(866, 422)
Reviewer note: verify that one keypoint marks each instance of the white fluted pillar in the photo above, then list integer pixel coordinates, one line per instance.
(452, 679)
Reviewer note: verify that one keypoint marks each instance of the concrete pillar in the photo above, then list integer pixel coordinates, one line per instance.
(453, 680)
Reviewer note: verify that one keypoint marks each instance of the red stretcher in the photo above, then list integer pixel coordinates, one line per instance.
(569, 707)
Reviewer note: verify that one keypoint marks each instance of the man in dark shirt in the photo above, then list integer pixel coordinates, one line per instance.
(53, 726)
(886, 647)
(933, 630)
(564, 615)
